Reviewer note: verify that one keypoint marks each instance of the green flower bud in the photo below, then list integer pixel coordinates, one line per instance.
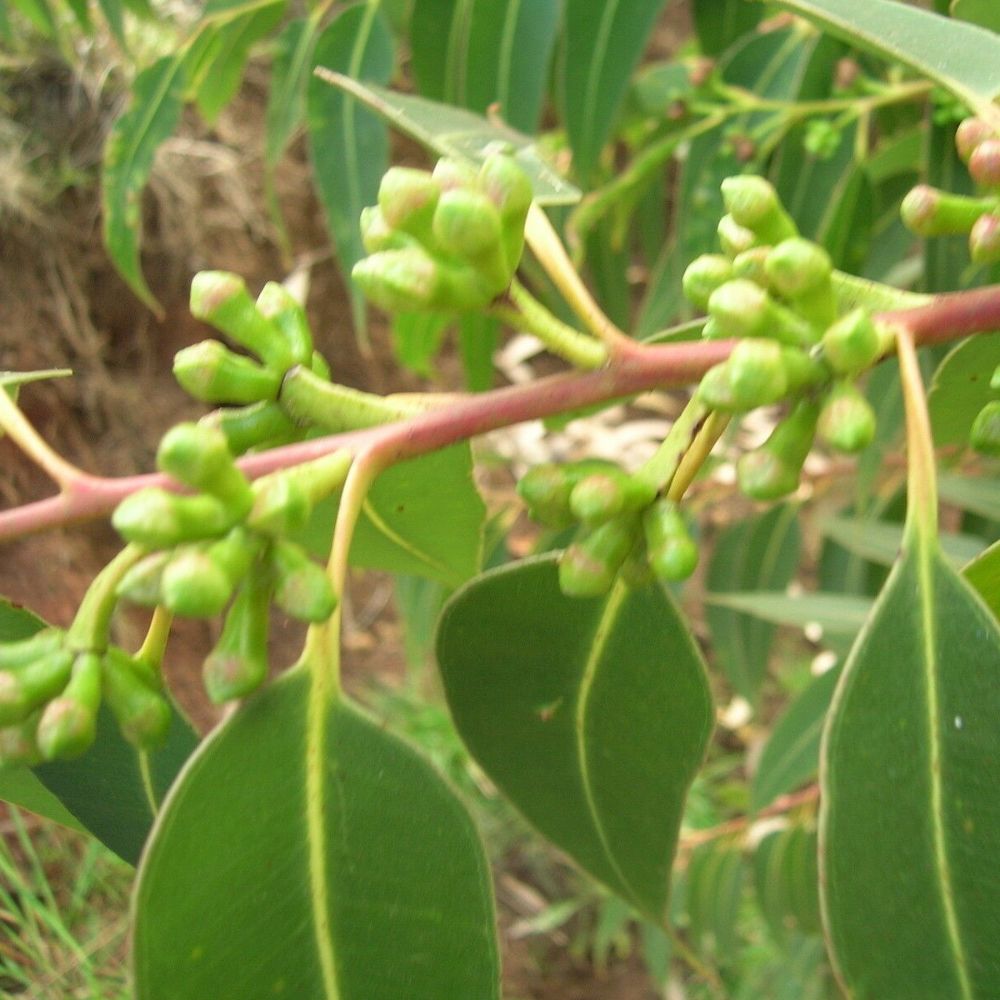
(852, 344)
(751, 265)
(199, 456)
(467, 224)
(847, 420)
(377, 235)
(672, 553)
(743, 309)
(69, 723)
(995, 379)
(716, 390)
(211, 372)
(753, 203)
(969, 134)
(929, 212)
(29, 686)
(302, 589)
(601, 496)
(143, 714)
(984, 163)
(450, 174)
(194, 585)
(142, 583)
(221, 298)
(259, 425)
(773, 470)
(19, 745)
(238, 664)
(157, 519)
(400, 280)
(507, 185)
(757, 373)
(985, 435)
(589, 566)
(800, 270)
(407, 198)
(284, 500)
(734, 238)
(283, 311)
(703, 276)
(711, 330)
(984, 240)
(547, 488)
(319, 366)
(21, 652)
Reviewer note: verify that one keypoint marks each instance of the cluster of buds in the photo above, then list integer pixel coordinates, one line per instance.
(226, 545)
(622, 526)
(772, 290)
(928, 211)
(447, 240)
(50, 694)
(275, 329)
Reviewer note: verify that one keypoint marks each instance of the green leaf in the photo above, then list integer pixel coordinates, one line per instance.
(348, 146)
(980, 496)
(286, 97)
(477, 340)
(961, 388)
(719, 23)
(492, 53)
(716, 875)
(39, 13)
(423, 517)
(880, 541)
(456, 132)
(791, 754)
(341, 867)
(113, 790)
(983, 573)
(157, 98)
(760, 553)
(909, 817)
(843, 614)
(960, 57)
(112, 11)
(602, 46)
(787, 881)
(985, 13)
(560, 698)
(417, 338)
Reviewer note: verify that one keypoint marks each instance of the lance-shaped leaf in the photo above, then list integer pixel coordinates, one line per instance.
(456, 132)
(787, 881)
(591, 716)
(911, 814)
(306, 853)
(113, 791)
(349, 146)
(960, 57)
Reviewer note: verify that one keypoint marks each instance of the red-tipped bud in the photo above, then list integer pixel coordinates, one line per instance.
(970, 133)
(984, 163)
(211, 372)
(984, 240)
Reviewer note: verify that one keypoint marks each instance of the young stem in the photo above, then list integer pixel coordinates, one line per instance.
(546, 245)
(155, 644)
(695, 457)
(577, 348)
(14, 422)
(921, 491)
(662, 467)
(89, 630)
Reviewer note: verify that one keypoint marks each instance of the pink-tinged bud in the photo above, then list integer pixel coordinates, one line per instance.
(970, 133)
(984, 164)
(929, 212)
(984, 240)
(407, 198)
(399, 280)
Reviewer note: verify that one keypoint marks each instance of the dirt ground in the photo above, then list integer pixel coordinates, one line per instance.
(63, 305)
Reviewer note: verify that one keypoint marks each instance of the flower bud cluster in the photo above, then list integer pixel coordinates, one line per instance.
(621, 526)
(447, 240)
(225, 547)
(931, 212)
(772, 291)
(50, 694)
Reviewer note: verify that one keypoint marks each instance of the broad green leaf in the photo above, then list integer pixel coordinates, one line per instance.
(493, 52)
(787, 881)
(230, 51)
(602, 44)
(113, 790)
(716, 876)
(478, 336)
(880, 541)
(307, 853)
(417, 338)
(985, 13)
(791, 754)
(719, 23)
(960, 57)
(983, 573)
(456, 132)
(760, 553)
(157, 98)
(348, 146)
(840, 613)
(961, 388)
(910, 819)
(423, 517)
(980, 496)
(559, 699)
